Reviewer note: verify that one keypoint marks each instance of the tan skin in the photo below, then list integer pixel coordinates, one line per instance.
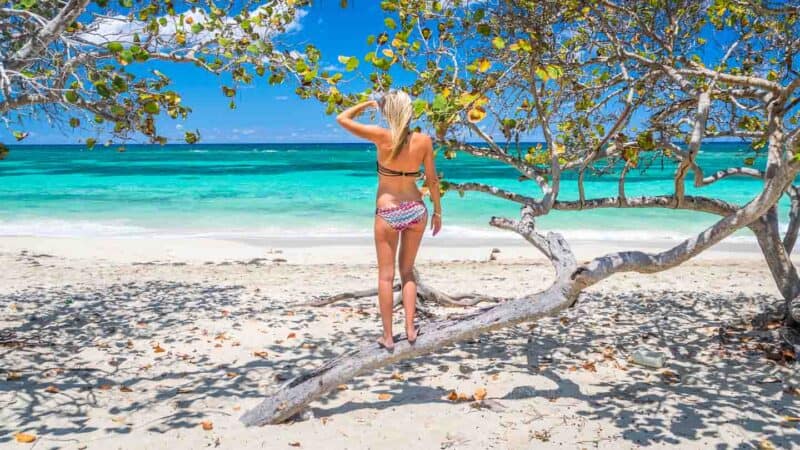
(417, 151)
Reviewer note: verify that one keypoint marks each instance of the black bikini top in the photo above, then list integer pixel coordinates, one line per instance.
(394, 173)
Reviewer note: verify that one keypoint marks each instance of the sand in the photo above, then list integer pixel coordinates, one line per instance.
(136, 343)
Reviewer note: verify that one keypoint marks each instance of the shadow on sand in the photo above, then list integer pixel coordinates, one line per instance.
(93, 345)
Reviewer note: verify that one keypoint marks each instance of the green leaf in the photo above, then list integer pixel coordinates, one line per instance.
(152, 108)
(439, 103)
(119, 84)
(197, 27)
(102, 89)
(420, 106)
(20, 135)
(74, 122)
(390, 23)
(114, 47)
(554, 72)
(126, 3)
(90, 143)
(542, 74)
(499, 43)
(352, 64)
(71, 96)
(749, 161)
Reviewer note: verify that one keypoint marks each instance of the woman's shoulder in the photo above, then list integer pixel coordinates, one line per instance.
(382, 133)
(421, 138)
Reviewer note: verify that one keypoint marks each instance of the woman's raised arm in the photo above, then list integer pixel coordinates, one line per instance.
(347, 121)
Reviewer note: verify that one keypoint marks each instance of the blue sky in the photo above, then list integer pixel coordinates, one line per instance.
(264, 113)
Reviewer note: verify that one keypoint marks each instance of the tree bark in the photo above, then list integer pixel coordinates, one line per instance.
(425, 294)
(295, 395)
(780, 264)
(47, 34)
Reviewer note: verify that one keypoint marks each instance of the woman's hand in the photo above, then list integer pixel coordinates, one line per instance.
(436, 223)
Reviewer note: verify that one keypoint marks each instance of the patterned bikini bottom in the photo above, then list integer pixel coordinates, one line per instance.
(403, 215)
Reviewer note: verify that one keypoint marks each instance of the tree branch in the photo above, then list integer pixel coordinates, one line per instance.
(46, 35)
(636, 261)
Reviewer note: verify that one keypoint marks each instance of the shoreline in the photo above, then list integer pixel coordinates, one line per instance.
(329, 250)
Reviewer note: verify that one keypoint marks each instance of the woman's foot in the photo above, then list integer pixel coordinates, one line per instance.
(387, 343)
(412, 335)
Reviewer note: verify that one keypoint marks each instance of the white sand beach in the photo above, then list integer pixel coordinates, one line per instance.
(137, 343)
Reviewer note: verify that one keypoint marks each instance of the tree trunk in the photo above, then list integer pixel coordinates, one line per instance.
(779, 262)
(295, 395)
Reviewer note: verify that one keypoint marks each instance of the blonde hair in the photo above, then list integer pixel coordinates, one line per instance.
(396, 108)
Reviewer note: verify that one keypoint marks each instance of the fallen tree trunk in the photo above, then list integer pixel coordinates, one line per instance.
(292, 397)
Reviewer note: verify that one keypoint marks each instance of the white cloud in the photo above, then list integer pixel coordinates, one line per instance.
(333, 68)
(282, 98)
(178, 127)
(121, 29)
(245, 131)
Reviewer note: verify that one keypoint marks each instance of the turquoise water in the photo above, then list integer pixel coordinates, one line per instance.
(298, 189)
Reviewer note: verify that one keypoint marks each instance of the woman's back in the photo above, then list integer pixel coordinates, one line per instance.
(393, 187)
(400, 213)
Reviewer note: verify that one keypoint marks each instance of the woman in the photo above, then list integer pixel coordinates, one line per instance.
(400, 213)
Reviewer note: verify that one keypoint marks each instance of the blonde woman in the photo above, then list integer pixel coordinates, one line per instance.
(400, 214)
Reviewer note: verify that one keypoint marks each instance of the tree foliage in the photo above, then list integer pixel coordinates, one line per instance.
(609, 86)
(87, 63)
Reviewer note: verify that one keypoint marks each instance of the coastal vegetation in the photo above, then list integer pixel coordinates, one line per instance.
(92, 63)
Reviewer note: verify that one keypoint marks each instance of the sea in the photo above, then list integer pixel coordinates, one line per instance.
(311, 191)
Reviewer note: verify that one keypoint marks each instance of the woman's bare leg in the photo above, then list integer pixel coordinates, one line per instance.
(386, 248)
(409, 244)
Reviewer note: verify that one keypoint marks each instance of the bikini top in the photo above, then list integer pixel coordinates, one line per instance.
(394, 173)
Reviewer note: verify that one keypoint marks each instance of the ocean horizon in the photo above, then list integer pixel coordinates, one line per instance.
(308, 190)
